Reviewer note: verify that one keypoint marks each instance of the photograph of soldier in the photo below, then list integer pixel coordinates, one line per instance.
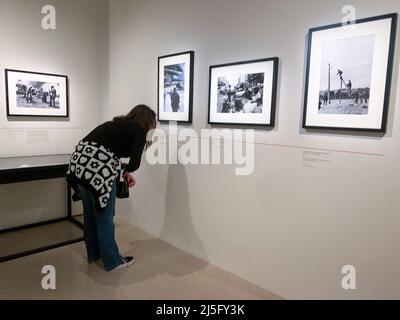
(174, 88)
(53, 96)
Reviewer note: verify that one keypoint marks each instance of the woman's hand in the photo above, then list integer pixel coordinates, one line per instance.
(131, 180)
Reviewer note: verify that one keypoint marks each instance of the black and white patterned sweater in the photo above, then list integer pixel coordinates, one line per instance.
(95, 168)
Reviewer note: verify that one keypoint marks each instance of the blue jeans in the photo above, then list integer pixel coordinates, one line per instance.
(99, 229)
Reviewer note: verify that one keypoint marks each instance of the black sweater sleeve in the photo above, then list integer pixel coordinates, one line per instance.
(137, 150)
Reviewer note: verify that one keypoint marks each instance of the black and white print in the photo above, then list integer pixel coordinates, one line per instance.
(348, 75)
(36, 94)
(346, 72)
(244, 93)
(174, 88)
(241, 93)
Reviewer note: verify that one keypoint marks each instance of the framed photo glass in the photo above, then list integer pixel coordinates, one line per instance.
(36, 94)
(349, 71)
(175, 87)
(243, 93)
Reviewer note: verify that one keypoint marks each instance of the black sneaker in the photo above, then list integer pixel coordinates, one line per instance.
(126, 262)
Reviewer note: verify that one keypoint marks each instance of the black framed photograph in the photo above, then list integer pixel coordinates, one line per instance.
(175, 87)
(243, 93)
(35, 94)
(349, 72)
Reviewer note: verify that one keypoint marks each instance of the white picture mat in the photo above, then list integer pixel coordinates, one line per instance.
(266, 67)
(175, 116)
(381, 29)
(15, 76)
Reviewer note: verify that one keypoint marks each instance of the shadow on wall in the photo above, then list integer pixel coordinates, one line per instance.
(178, 227)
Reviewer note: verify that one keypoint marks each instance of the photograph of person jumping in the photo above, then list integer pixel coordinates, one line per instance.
(346, 72)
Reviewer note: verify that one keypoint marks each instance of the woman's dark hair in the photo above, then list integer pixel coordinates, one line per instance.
(144, 116)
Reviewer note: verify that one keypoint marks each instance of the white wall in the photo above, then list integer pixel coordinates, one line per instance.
(288, 228)
(77, 48)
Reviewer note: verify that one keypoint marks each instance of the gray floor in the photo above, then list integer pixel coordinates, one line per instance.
(30, 239)
(160, 272)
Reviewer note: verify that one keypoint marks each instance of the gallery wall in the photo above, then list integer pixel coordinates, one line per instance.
(77, 48)
(317, 201)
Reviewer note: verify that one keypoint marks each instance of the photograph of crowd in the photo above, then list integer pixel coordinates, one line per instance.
(36, 94)
(241, 93)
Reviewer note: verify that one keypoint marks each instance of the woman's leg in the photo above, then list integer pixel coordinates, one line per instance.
(106, 234)
(90, 229)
